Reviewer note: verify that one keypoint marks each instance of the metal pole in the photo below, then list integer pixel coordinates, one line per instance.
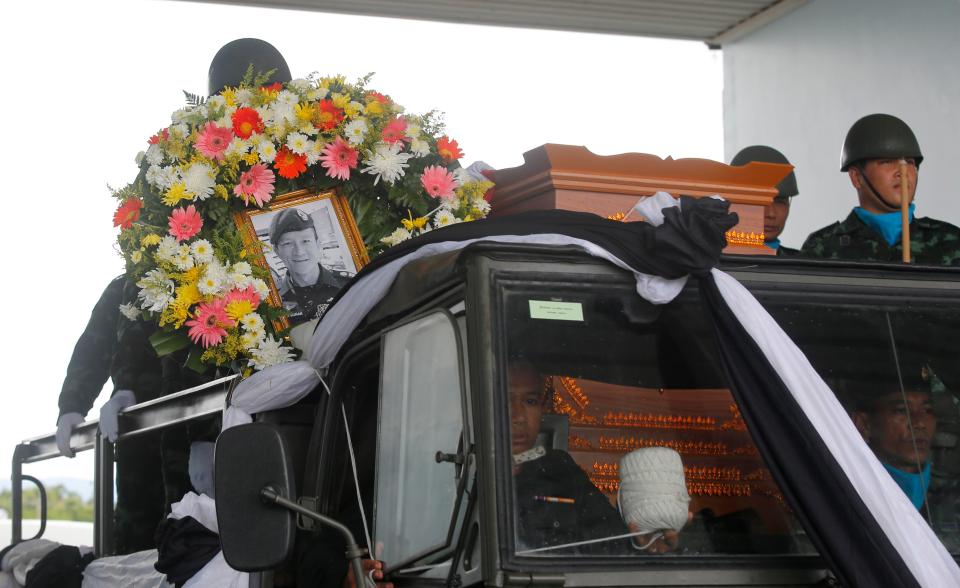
(16, 494)
(103, 497)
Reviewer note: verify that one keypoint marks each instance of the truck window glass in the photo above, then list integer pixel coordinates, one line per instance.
(620, 423)
(420, 415)
(894, 366)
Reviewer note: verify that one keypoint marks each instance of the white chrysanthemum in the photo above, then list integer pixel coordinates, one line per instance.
(287, 97)
(386, 162)
(419, 147)
(412, 130)
(251, 340)
(130, 311)
(285, 113)
(200, 179)
(179, 131)
(202, 251)
(224, 121)
(356, 108)
(244, 96)
(154, 176)
(138, 158)
(156, 290)
(261, 287)
(167, 249)
(238, 281)
(217, 102)
(355, 131)
(180, 116)
(252, 322)
(266, 150)
(183, 259)
(481, 204)
(316, 152)
(443, 218)
(154, 154)
(238, 147)
(210, 284)
(299, 143)
(398, 236)
(317, 94)
(300, 85)
(269, 352)
(242, 267)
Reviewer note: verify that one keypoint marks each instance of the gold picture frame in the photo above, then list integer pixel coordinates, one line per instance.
(339, 253)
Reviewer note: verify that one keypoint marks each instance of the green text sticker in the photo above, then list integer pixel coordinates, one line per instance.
(556, 311)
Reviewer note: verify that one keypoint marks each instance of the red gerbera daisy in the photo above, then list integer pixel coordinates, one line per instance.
(127, 213)
(328, 115)
(274, 87)
(246, 121)
(395, 131)
(377, 96)
(161, 135)
(448, 149)
(289, 165)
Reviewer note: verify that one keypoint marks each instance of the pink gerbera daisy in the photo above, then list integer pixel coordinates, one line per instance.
(438, 182)
(240, 303)
(185, 223)
(210, 323)
(339, 158)
(395, 131)
(256, 182)
(213, 141)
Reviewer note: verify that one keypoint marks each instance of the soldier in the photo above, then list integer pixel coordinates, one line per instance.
(871, 154)
(776, 213)
(307, 288)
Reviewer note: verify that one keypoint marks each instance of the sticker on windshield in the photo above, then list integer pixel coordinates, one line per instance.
(556, 311)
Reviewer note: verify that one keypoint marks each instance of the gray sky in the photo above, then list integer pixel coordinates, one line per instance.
(87, 83)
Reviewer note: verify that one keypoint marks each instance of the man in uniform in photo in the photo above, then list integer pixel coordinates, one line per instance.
(871, 156)
(308, 287)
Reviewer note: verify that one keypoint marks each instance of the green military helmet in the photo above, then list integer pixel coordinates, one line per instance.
(879, 136)
(288, 220)
(231, 62)
(787, 187)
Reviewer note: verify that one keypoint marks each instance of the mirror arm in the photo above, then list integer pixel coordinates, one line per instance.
(354, 552)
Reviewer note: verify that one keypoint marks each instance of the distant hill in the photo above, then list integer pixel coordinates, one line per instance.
(82, 488)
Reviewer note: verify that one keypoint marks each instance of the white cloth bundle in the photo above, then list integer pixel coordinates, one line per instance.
(653, 490)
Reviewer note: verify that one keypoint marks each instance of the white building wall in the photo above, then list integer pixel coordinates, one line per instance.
(798, 84)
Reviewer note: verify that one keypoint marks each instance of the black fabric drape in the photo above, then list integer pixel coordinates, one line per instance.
(688, 242)
(829, 507)
(183, 547)
(61, 568)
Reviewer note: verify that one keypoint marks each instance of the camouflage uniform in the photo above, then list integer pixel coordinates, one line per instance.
(304, 303)
(787, 251)
(932, 242)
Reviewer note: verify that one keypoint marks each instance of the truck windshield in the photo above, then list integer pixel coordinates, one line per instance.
(625, 440)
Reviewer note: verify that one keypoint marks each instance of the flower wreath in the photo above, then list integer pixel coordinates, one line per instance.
(237, 150)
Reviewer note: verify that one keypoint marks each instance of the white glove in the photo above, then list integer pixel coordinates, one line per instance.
(200, 467)
(65, 426)
(109, 426)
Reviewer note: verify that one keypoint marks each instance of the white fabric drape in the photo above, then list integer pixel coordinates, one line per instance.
(130, 571)
(917, 544)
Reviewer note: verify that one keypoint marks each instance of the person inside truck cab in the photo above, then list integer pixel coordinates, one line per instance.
(871, 156)
(557, 504)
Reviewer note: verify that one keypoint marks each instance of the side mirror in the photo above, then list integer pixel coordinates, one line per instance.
(254, 534)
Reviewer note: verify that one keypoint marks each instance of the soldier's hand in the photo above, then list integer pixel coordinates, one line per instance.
(109, 425)
(67, 422)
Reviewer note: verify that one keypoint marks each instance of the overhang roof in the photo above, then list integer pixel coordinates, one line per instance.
(712, 21)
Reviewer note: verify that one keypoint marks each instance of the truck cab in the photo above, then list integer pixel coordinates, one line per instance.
(474, 429)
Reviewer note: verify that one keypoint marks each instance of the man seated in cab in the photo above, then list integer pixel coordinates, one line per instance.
(775, 214)
(900, 426)
(871, 157)
(557, 504)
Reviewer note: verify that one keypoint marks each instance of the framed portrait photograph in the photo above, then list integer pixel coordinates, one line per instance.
(311, 245)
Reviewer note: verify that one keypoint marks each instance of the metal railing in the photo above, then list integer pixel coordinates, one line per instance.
(182, 407)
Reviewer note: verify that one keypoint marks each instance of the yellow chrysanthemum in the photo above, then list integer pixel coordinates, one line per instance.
(250, 159)
(150, 240)
(176, 313)
(305, 112)
(238, 309)
(176, 193)
(414, 223)
(353, 109)
(191, 276)
(340, 100)
(221, 191)
(229, 96)
(374, 107)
